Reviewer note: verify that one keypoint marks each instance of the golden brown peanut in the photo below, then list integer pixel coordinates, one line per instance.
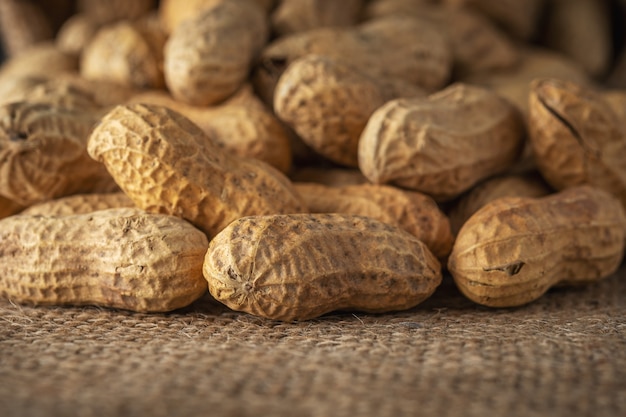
(43, 153)
(477, 44)
(581, 29)
(411, 211)
(22, 24)
(127, 53)
(242, 125)
(297, 267)
(292, 16)
(513, 250)
(576, 137)
(173, 12)
(441, 145)
(108, 11)
(120, 258)
(515, 185)
(520, 18)
(167, 164)
(390, 48)
(79, 204)
(208, 57)
(76, 33)
(8, 207)
(328, 104)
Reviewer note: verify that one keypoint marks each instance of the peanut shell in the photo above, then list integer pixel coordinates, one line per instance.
(298, 267)
(120, 258)
(513, 250)
(79, 204)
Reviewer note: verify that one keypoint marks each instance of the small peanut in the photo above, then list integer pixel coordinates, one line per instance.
(513, 250)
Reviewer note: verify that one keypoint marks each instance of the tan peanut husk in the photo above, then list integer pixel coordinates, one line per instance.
(441, 145)
(119, 258)
(43, 153)
(208, 57)
(76, 33)
(167, 164)
(513, 250)
(127, 53)
(298, 267)
(328, 103)
(412, 211)
(576, 137)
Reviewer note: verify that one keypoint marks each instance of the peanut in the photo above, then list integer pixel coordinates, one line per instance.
(441, 145)
(166, 164)
(298, 267)
(328, 104)
(120, 258)
(127, 53)
(43, 153)
(576, 137)
(513, 250)
(208, 57)
(412, 211)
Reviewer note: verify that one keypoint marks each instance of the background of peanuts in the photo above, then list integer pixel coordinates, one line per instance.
(563, 355)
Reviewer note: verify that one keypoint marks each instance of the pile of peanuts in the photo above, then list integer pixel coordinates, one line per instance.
(297, 157)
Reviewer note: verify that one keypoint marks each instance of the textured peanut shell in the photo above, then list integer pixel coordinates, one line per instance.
(396, 47)
(411, 211)
(513, 185)
(244, 126)
(327, 104)
(79, 204)
(43, 153)
(208, 57)
(441, 145)
(292, 16)
(167, 164)
(576, 137)
(42, 60)
(121, 258)
(127, 53)
(477, 44)
(298, 267)
(513, 250)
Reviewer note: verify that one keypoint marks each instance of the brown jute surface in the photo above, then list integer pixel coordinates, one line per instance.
(564, 355)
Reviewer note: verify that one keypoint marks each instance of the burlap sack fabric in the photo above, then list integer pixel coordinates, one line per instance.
(564, 355)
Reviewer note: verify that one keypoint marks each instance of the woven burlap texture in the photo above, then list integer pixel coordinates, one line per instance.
(564, 355)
